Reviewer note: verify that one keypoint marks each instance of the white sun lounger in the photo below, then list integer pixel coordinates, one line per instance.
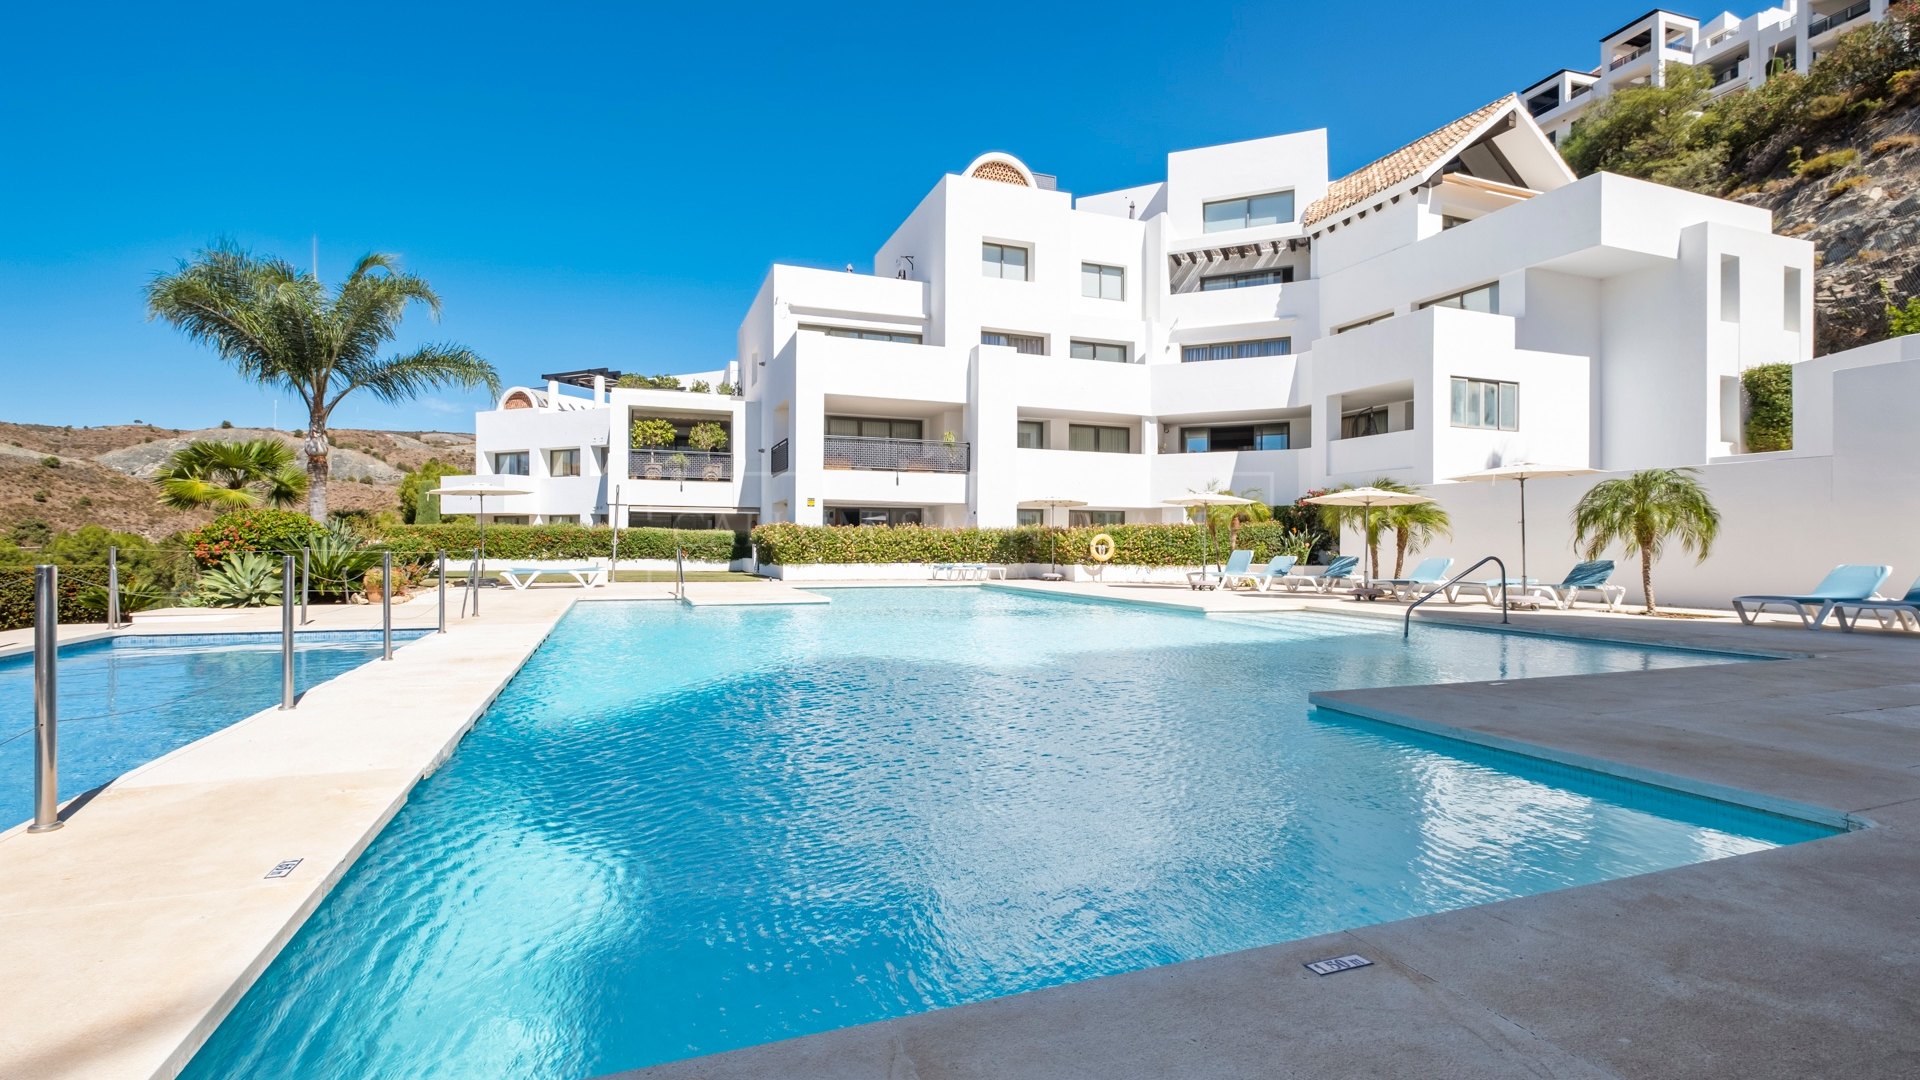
(521, 577)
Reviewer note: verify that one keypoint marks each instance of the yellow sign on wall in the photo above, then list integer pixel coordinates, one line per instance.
(809, 503)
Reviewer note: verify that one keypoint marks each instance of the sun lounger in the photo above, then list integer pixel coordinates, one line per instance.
(1338, 572)
(1277, 567)
(588, 576)
(1237, 566)
(1426, 578)
(1891, 613)
(1584, 577)
(1847, 583)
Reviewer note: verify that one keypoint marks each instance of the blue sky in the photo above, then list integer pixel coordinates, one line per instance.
(594, 185)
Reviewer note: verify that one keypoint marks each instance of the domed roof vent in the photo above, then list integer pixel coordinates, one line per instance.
(1001, 168)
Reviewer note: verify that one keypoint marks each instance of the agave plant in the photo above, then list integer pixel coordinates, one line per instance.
(339, 559)
(245, 579)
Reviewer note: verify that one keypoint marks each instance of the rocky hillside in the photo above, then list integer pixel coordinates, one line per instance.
(73, 476)
(1863, 213)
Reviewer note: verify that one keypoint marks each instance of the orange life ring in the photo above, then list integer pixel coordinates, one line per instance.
(1100, 547)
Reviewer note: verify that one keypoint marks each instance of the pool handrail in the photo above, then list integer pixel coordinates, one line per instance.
(1406, 628)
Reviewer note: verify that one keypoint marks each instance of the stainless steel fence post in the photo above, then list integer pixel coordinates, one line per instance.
(443, 592)
(286, 631)
(46, 702)
(306, 579)
(113, 588)
(386, 605)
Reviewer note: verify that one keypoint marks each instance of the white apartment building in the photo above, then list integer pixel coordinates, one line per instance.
(1245, 323)
(1740, 53)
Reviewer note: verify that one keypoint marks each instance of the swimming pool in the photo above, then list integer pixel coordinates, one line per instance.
(680, 831)
(127, 700)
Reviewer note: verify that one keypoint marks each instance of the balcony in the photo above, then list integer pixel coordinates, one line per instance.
(654, 463)
(1723, 77)
(1839, 18)
(1628, 57)
(782, 456)
(894, 455)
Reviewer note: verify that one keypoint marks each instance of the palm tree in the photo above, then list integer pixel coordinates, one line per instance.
(229, 475)
(281, 327)
(1338, 518)
(1414, 527)
(1641, 512)
(1229, 518)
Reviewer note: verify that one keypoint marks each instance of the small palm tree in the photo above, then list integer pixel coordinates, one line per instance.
(281, 327)
(1414, 527)
(230, 475)
(1375, 523)
(1641, 512)
(1229, 518)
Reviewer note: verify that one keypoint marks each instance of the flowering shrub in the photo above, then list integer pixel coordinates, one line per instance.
(261, 529)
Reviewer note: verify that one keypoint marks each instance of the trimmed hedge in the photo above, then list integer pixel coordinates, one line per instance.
(1134, 545)
(1769, 389)
(564, 542)
(79, 601)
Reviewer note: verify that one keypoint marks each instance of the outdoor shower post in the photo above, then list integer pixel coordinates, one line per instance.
(386, 605)
(442, 578)
(46, 705)
(113, 588)
(306, 579)
(286, 631)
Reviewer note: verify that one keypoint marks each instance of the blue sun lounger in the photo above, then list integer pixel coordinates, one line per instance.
(1277, 567)
(1237, 566)
(1338, 572)
(1901, 610)
(1846, 583)
(1426, 578)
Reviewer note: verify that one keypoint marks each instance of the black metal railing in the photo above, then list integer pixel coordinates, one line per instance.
(780, 458)
(655, 463)
(1845, 15)
(903, 455)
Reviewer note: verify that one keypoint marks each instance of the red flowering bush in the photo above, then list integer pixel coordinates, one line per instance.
(261, 529)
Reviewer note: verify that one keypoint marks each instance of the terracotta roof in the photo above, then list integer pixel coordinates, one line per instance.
(1404, 164)
(1001, 171)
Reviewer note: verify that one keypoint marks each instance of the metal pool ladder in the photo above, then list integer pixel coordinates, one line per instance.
(679, 573)
(1406, 628)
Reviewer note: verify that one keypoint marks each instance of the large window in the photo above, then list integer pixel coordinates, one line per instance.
(868, 428)
(866, 335)
(563, 462)
(874, 515)
(1359, 425)
(1031, 344)
(1279, 275)
(1101, 440)
(1032, 435)
(511, 463)
(1030, 517)
(1482, 403)
(1004, 261)
(1085, 518)
(1099, 350)
(1202, 440)
(1729, 288)
(1103, 282)
(1272, 208)
(1790, 300)
(1481, 298)
(1236, 350)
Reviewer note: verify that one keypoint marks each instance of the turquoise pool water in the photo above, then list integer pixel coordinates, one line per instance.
(681, 831)
(128, 700)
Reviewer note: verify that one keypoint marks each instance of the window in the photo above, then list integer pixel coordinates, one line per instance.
(1032, 435)
(1081, 518)
(1277, 276)
(512, 463)
(1448, 221)
(1790, 301)
(1359, 425)
(1251, 212)
(873, 515)
(1030, 517)
(1004, 261)
(1729, 289)
(508, 519)
(866, 335)
(1480, 403)
(1030, 344)
(1237, 437)
(1103, 282)
(1236, 350)
(1099, 350)
(1101, 440)
(1482, 298)
(866, 428)
(1383, 317)
(563, 462)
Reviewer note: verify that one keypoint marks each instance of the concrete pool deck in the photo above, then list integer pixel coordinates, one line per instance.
(140, 924)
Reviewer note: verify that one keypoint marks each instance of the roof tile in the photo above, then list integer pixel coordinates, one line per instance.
(1404, 164)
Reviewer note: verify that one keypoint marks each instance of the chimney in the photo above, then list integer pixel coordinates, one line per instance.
(553, 395)
(600, 389)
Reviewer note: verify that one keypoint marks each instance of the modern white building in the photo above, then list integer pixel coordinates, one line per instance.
(1245, 323)
(1740, 53)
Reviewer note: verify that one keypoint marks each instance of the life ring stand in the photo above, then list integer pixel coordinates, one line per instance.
(1101, 548)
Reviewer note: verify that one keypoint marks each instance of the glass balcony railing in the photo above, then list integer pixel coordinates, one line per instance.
(1845, 15)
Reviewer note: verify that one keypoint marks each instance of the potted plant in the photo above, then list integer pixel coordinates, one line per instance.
(709, 437)
(679, 463)
(952, 446)
(651, 433)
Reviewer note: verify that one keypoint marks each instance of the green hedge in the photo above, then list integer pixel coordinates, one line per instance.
(1769, 389)
(564, 542)
(79, 602)
(1134, 545)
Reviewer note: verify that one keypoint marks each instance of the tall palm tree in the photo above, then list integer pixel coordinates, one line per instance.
(1336, 519)
(1414, 527)
(281, 327)
(228, 475)
(1641, 512)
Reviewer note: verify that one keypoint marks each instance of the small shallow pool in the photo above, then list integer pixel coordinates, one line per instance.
(685, 831)
(127, 700)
